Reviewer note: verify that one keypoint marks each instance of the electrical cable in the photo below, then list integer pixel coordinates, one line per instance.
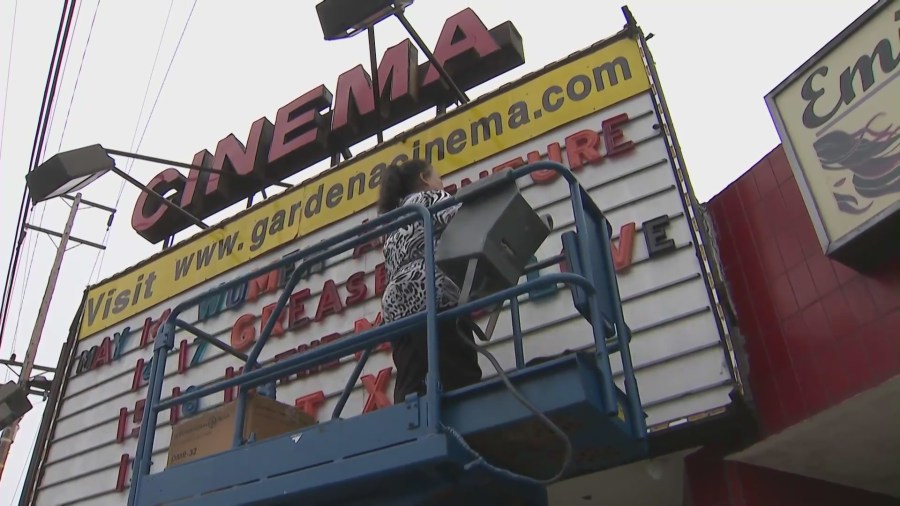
(78, 75)
(53, 73)
(33, 243)
(98, 263)
(21, 479)
(19, 236)
(11, 370)
(479, 459)
(98, 260)
(30, 255)
(137, 124)
(61, 72)
(62, 34)
(166, 76)
(60, 69)
(12, 40)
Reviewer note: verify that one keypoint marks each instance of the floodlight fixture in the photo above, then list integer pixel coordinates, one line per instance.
(488, 244)
(14, 403)
(68, 172)
(342, 19)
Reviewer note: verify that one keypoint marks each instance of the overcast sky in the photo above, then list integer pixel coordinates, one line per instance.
(239, 61)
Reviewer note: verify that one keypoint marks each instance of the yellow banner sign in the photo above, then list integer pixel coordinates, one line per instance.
(839, 119)
(594, 81)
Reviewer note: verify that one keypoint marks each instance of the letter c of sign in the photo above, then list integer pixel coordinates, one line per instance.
(149, 213)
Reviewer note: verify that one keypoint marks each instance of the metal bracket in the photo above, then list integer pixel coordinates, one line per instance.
(465, 292)
(492, 322)
(71, 238)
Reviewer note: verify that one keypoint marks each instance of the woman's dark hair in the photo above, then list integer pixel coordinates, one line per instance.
(398, 181)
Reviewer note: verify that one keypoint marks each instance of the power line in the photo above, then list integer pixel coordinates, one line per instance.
(78, 75)
(137, 124)
(98, 260)
(49, 128)
(135, 148)
(166, 76)
(21, 480)
(33, 239)
(51, 115)
(48, 119)
(30, 256)
(62, 34)
(12, 39)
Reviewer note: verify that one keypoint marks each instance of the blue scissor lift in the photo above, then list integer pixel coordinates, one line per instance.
(480, 444)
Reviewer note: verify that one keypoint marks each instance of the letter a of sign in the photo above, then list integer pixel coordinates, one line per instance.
(376, 387)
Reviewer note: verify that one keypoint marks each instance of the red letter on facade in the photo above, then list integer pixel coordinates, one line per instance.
(311, 403)
(151, 219)
(623, 254)
(297, 310)
(233, 159)
(138, 377)
(613, 136)
(122, 478)
(362, 325)
(300, 128)
(243, 334)
(546, 176)
(329, 301)
(356, 286)
(278, 329)
(463, 35)
(376, 388)
(582, 148)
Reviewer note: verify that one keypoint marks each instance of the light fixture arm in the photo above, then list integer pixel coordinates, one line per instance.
(394, 8)
(166, 202)
(163, 161)
(460, 95)
(376, 88)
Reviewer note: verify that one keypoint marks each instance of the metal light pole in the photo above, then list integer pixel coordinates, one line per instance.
(9, 434)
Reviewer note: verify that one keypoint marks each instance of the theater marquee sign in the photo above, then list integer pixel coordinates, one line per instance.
(838, 116)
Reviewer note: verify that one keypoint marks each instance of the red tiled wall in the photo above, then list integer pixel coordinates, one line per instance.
(816, 331)
(712, 481)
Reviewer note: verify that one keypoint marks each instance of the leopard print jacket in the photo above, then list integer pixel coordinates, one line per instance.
(404, 251)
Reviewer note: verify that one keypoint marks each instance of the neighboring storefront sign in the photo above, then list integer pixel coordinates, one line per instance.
(838, 116)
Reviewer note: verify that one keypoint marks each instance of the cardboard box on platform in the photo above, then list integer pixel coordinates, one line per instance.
(211, 432)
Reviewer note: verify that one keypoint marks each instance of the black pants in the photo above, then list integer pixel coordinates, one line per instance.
(458, 361)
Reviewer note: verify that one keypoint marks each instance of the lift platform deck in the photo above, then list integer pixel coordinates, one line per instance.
(480, 444)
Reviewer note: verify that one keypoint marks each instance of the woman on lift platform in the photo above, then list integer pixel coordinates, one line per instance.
(410, 183)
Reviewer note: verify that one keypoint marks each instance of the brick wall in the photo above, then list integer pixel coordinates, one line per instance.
(817, 332)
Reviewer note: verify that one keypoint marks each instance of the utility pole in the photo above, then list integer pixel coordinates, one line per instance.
(9, 434)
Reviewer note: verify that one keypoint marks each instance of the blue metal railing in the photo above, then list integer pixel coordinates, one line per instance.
(592, 239)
